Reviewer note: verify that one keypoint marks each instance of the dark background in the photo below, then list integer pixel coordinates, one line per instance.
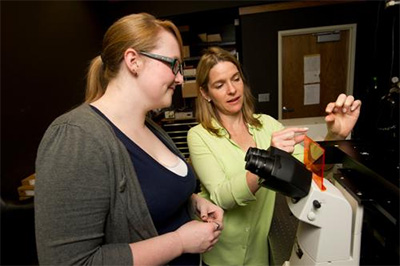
(46, 47)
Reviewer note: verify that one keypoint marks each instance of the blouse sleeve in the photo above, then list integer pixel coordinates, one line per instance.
(226, 191)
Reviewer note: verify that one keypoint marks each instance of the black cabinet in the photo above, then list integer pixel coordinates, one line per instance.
(177, 130)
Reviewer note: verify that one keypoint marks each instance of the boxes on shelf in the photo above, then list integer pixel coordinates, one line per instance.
(203, 37)
(189, 72)
(183, 115)
(29, 181)
(27, 188)
(189, 89)
(169, 114)
(186, 51)
(214, 38)
(26, 191)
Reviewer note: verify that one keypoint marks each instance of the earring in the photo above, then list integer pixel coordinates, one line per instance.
(208, 100)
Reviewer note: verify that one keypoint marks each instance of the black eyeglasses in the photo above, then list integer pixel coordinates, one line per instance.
(173, 62)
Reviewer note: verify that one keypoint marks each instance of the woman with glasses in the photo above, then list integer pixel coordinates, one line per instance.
(111, 187)
(218, 145)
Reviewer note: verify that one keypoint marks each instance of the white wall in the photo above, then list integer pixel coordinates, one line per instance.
(317, 127)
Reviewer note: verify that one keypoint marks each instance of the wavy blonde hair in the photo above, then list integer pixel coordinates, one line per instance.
(206, 111)
(137, 31)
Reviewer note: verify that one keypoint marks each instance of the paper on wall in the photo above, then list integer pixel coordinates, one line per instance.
(311, 94)
(312, 68)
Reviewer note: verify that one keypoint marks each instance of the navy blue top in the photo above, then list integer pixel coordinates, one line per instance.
(167, 194)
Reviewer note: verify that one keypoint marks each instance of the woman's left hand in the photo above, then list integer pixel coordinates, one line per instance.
(342, 116)
(208, 212)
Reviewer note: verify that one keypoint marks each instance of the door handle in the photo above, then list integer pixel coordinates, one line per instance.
(287, 110)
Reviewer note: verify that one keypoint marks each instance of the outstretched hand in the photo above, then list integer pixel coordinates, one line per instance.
(342, 116)
(287, 138)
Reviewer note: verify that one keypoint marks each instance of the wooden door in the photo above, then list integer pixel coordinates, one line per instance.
(314, 72)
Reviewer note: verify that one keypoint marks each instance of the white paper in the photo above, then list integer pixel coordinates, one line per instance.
(311, 94)
(312, 68)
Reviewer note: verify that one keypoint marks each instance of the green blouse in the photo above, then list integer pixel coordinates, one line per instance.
(219, 164)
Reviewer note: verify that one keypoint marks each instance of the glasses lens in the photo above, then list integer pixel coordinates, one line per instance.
(177, 67)
(181, 69)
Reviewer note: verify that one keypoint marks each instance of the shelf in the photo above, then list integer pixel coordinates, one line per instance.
(208, 44)
(219, 29)
(177, 130)
(192, 58)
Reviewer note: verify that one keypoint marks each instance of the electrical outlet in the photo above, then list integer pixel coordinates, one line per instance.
(263, 97)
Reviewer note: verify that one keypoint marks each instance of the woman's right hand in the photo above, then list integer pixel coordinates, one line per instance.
(287, 138)
(198, 237)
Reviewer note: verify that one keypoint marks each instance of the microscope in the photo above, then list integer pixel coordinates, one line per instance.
(330, 219)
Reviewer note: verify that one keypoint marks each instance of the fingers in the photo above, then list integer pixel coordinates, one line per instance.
(329, 118)
(213, 242)
(217, 228)
(197, 237)
(344, 106)
(212, 245)
(342, 99)
(347, 103)
(330, 108)
(287, 138)
(292, 129)
(218, 225)
(356, 105)
(343, 103)
(206, 210)
(295, 134)
(203, 214)
(216, 213)
(299, 138)
(342, 116)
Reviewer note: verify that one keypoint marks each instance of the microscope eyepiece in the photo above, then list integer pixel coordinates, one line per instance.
(279, 171)
(260, 164)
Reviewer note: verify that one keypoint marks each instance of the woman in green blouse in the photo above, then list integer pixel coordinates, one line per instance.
(228, 127)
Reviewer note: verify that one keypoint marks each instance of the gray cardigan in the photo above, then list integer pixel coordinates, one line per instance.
(88, 201)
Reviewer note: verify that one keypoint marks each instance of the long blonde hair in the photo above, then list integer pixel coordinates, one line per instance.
(206, 111)
(137, 31)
